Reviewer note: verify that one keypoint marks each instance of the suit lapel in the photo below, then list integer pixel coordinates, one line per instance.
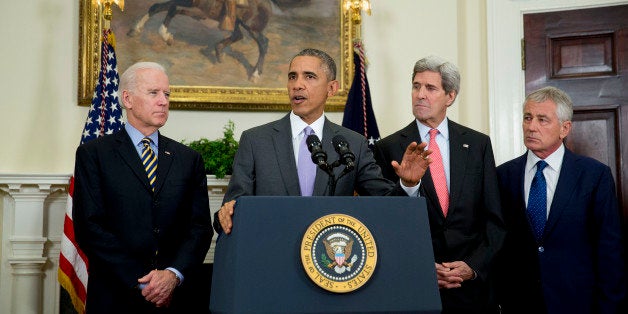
(516, 177)
(284, 153)
(458, 160)
(127, 151)
(519, 176)
(164, 161)
(408, 135)
(567, 180)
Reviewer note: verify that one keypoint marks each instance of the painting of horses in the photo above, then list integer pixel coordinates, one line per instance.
(232, 54)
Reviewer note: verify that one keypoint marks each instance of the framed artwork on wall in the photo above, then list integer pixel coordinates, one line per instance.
(220, 54)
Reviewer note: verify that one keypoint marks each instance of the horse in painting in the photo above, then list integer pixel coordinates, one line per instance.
(233, 16)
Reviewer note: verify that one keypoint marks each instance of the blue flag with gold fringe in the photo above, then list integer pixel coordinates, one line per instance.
(358, 114)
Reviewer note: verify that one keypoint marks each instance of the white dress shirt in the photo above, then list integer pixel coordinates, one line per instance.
(297, 125)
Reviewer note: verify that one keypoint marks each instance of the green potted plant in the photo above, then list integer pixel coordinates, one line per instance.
(218, 154)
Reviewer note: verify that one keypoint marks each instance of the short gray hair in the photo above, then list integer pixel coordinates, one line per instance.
(327, 62)
(564, 105)
(450, 76)
(128, 79)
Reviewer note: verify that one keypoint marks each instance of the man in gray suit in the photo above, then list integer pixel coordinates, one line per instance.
(267, 161)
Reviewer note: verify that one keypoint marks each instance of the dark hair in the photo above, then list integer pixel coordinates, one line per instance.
(327, 62)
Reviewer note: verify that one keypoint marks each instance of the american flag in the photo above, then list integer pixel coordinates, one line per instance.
(358, 115)
(104, 117)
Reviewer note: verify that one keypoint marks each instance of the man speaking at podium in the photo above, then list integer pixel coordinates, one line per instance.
(274, 160)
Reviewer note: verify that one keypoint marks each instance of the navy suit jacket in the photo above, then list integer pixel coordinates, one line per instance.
(577, 267)
(125, 229)
(265, 165)
(474, 229)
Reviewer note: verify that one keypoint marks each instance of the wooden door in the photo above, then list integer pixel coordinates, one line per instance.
(585, 53)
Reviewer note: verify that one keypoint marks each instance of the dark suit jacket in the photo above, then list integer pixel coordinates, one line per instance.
(125, 229)
(474, 229)
(265, 165)
(578, 267)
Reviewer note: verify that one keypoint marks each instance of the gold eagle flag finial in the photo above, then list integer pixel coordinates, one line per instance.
(106, 11)
(355, 8)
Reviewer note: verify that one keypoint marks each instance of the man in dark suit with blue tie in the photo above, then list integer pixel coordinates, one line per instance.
(269, 162)
(460, 188)
(140, 207)
(563, 250)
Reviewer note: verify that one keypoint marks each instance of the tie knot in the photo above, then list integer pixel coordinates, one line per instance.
(307, 131)
(433, 133)
(541, 165)
(146, 142)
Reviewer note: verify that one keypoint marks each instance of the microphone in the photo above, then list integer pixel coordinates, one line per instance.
(342, 148)
(319, 156)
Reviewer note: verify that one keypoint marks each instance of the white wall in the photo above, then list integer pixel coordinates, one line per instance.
(401, 32)
(40, 120)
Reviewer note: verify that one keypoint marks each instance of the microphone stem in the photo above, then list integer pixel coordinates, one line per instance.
(332, 183)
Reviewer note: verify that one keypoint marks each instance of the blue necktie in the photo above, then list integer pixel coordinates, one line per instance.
(537, 201)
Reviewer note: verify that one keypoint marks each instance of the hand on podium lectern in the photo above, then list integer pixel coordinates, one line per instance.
(224, 216)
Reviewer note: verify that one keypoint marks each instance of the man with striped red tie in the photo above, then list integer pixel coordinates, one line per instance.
(460, 187)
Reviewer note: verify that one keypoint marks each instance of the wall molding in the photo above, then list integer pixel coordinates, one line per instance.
(32, 209)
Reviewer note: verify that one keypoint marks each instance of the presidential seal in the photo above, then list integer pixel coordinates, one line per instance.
(338, 253)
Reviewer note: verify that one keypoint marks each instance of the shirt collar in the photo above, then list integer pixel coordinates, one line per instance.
(554, 160)
(297, 125)
(424, 130)
(136, 136)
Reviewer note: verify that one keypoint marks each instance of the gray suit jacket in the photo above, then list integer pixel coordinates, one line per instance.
(265, 165)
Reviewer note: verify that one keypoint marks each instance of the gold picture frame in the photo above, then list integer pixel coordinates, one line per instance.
(208, 97)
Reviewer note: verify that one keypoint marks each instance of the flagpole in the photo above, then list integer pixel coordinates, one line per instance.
(106, 111)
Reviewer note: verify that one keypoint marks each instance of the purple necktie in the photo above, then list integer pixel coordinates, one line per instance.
(305, 166)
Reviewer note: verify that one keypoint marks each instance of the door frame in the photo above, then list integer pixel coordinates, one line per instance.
(506, 79)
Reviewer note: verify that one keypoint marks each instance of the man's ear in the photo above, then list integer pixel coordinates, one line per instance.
(126, 100)
(565, 128)
(451, 96)
(332, 88)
